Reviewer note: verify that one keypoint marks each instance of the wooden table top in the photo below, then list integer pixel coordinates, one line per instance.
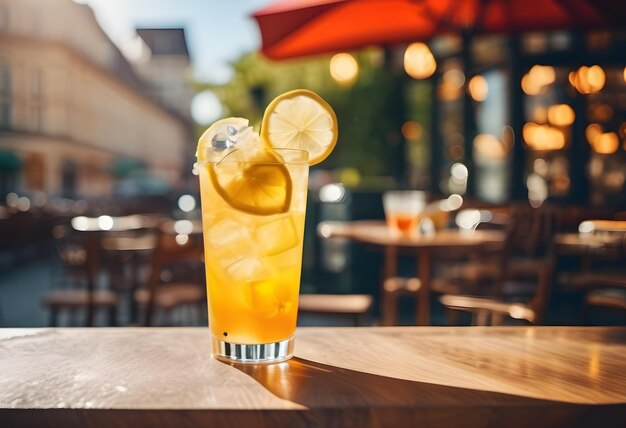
(586, 243)
(129, 243)
(376, 232)
(405, 376)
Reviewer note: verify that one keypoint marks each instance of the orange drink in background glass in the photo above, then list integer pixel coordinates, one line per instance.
(403, 209)
(253, 193)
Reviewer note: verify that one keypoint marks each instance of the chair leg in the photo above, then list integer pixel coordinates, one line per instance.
(54, 315)
(452, 316)
(585, 314)
(113, 316)
(496, 319)
(480, 318)
(389, 305)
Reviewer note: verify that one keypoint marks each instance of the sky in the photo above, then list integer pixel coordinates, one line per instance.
(217, 31)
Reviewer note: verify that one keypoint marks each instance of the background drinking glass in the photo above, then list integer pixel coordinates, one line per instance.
(403, 208)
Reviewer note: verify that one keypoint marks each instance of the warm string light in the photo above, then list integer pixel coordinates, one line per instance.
(419, 61)
(452, 81)
(344, 68)
(411, 130)
(478, 88)
(588, 80)
(543, 137)
(537, 78)
(604, 143)
(561, 115)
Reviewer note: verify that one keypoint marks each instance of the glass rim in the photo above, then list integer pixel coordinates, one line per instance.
(298, 157)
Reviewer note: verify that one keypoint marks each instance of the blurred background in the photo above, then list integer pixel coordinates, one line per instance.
(102, 102)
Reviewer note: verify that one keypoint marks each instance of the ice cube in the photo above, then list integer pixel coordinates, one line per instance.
(229, 137)
(246, 268)
(226, 234)
(265, 298)
(221, 141)
(277, 236)
(231, 130)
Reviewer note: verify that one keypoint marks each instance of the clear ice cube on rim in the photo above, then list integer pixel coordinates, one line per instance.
(228, 138)
(233, 137)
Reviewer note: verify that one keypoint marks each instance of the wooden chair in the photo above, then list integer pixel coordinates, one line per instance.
(604, 291)
(79, 291)
(602, 276)
(492, 310)
(173, 249)
(353, 306)
(522, 254)
(522, 270)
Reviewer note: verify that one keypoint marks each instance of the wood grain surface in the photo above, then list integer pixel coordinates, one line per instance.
(377, 233)
(386, 376)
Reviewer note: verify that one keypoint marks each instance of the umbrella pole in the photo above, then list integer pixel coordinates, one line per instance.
(435, 140)
(398, 111)
(517, 190)
(469, 117)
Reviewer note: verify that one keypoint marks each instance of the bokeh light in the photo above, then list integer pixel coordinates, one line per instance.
(605, 143)
(543, 137)
(332, 193)
(478, 88)
(419, 62)
(206, 108)
(183, 227)
(187, 203)
(344, 68)
(452, 82)
(80, 223)
(537, 78)
(411, 130)
(105, 222)
(454, 77)
(592, 132)
(561, 115)
(588, 80)
(490, 147)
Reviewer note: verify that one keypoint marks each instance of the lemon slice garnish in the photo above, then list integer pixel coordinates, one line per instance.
(300, 120)
(253, 181)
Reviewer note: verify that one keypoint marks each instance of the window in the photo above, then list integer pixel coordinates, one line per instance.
(36, 99)
(5, 95)
(4, 18)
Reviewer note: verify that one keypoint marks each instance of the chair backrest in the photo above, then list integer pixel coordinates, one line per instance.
(172, 247)
(529, 234)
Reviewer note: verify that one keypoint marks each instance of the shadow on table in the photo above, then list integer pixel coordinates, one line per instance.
(364, 399)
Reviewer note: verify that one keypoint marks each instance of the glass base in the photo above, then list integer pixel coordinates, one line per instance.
(252, 354)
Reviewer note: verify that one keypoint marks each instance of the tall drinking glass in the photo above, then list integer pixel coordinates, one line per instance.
(253, 259)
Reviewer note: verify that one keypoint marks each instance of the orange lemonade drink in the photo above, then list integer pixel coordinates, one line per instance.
(253, 193)
(253, 261)
(404, 223)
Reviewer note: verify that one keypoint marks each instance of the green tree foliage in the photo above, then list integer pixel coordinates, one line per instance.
(370, 110)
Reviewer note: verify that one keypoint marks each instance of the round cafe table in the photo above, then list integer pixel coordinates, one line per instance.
(376, 233)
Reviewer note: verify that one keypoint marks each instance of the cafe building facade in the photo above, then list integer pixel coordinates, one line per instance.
(71, 105)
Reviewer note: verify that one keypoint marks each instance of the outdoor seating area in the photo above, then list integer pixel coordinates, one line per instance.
(519, 266)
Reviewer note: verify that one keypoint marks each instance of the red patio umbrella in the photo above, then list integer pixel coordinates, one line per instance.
(295, 28)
